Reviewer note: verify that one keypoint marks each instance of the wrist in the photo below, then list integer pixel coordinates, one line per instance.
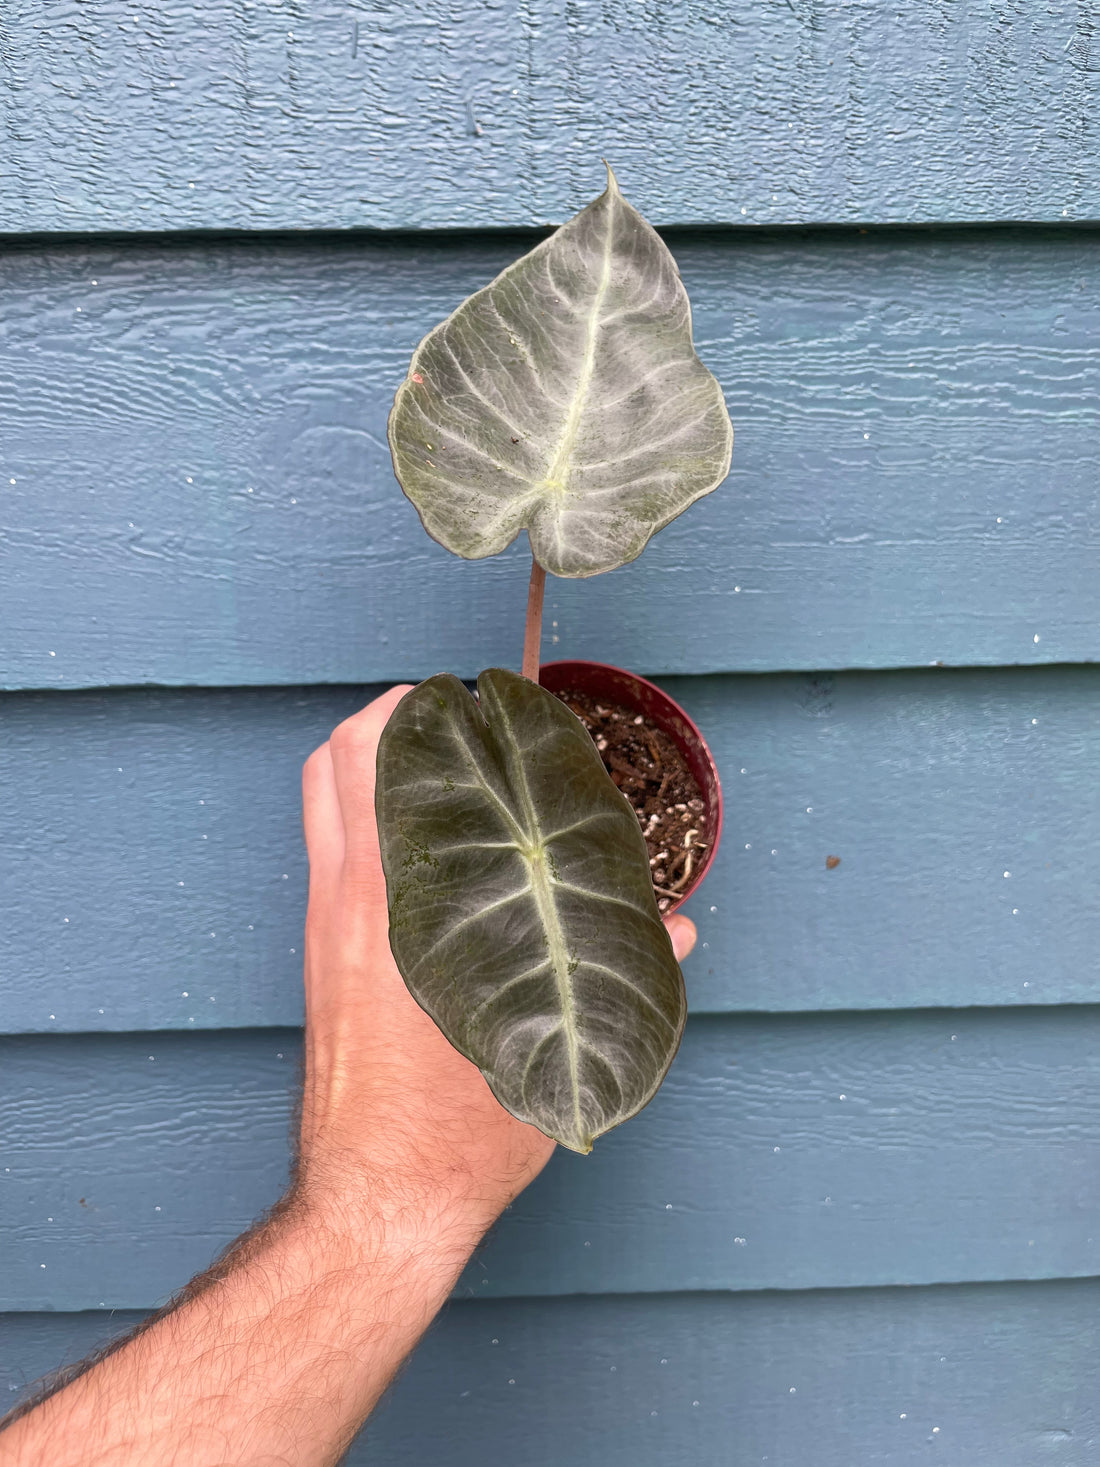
(366, 1216)
(426, 1170)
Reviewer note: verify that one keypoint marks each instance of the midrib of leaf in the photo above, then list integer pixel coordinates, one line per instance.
(571, 426)
(530, 840)
(559, 960)
(556, 945)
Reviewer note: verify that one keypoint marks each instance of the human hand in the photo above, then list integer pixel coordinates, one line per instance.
(283, 1347)
(391, 1110)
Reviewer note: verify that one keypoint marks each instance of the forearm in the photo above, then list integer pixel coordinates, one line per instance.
(276, 1360)
(278, 1354)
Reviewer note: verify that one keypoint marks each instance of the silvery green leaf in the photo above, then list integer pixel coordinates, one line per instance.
(522, 914)
(564, 397)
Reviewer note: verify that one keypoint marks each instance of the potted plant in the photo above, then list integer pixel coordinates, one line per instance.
(564, 398)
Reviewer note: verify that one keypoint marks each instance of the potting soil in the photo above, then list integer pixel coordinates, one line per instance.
(652, 773)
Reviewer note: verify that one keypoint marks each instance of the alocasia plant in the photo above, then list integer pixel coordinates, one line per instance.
(564, 398)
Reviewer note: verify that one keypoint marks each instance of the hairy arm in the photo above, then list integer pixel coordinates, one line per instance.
(278, 1354)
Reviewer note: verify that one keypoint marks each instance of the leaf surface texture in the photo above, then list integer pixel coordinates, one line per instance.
(565, 398)
(522, 914)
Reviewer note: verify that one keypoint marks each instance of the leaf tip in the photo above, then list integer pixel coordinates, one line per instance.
(581, 1145)
(612, 181)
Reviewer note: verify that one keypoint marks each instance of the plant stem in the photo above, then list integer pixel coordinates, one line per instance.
(532, 636)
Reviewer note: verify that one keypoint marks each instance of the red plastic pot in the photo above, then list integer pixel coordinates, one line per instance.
(600, 680)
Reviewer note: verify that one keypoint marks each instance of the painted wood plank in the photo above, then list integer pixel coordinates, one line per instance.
(151, 844)
(181, 115)
(782, 1153)
(988, 1373)
(194, 484)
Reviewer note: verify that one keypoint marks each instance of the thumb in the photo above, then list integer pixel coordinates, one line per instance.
(683, 934)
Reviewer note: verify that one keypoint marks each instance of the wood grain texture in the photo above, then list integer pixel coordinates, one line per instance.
(781, 1153)
(150, 842)
(202, 492)
(998, 1373)
(183, 115)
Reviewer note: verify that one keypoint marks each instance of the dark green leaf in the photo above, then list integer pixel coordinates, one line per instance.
(522, 913)
(564, 397)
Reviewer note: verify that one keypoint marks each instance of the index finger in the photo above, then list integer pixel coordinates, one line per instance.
(354, 748)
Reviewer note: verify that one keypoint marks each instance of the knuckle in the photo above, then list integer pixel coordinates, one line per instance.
(311, 769)
(350, 735)
(363, 729)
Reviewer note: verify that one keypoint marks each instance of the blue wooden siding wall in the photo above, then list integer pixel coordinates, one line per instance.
(861, 1223)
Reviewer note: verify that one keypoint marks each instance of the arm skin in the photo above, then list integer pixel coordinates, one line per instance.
(278, 1354)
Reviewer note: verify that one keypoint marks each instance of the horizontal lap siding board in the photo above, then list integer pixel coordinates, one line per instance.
(151, 842)
(984, 1374)
(781, 1153)
(183, 115)
(195, 486)
(195, 490)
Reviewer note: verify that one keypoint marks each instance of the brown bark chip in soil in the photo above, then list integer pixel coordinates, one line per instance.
(653, 775)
